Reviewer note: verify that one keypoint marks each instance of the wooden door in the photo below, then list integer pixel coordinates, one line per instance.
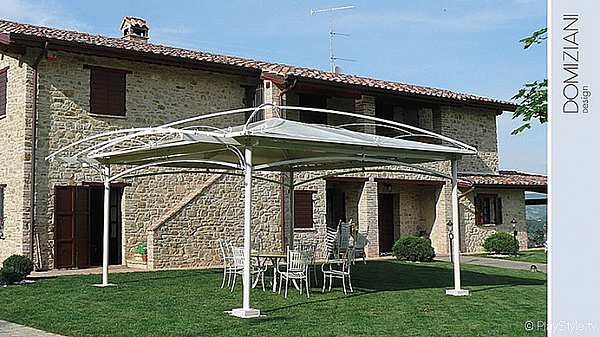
(386, 222)
(336, 207)
(72, 230)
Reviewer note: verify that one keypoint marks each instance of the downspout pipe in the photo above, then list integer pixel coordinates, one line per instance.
(34, 118)
(289, 86)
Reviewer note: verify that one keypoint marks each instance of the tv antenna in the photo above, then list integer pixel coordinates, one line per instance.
(333, 34)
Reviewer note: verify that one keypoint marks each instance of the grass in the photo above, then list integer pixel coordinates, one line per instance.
(533, 256)
(390, 299)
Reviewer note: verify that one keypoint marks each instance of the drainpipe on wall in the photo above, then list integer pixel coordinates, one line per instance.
(34, 117)
(289, 86)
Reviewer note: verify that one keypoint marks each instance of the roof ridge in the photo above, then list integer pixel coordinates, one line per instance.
(282, 69)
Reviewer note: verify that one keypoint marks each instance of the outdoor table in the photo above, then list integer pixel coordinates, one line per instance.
(275, 257)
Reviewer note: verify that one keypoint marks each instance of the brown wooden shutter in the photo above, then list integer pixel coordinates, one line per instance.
(71, 227)
(3, 85)
(498, 219)
(82, 226)
(478, 210)
(303, 209)
(64, 228)
(107, 91)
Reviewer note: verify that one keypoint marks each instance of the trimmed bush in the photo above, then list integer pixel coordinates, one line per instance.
(412, 248)
(15, 268)
(501, 243)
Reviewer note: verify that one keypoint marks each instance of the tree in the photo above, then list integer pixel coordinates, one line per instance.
(533, 96)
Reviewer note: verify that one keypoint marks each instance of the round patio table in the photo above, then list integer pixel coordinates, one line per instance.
(275, 257)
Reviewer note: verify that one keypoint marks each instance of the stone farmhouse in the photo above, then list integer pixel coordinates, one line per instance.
(59, 86)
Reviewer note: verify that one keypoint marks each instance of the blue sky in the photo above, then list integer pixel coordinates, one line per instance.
(464, 45)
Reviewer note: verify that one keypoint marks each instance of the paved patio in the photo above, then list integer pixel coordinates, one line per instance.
(8, 329)
(500, 263)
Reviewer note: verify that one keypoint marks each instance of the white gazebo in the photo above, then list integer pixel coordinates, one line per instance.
(271, 144)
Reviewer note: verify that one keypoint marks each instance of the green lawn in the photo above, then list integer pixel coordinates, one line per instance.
(533, 256)
(390, 299)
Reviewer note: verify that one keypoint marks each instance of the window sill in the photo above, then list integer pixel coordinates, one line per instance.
(107, 116)
(313, 229)
(489, 225)
(2, 117)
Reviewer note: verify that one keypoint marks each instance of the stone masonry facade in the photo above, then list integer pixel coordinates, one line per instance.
(181, 217)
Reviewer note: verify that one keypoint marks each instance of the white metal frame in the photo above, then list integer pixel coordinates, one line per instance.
(118, 142)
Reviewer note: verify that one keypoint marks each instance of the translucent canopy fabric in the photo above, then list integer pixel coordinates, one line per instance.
(279, 145)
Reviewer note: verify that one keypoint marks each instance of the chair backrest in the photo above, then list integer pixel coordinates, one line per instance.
(361, 241)
(296, 261)
(225, 249)
(330, 239)
(344, 236)
(309, 250)
(238, 256)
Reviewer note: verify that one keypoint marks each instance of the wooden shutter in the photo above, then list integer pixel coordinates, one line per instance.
(107, 91)
(303, 209)
(478, 210)
(82, 226)
(498, 219)
(3, 84)
(71, 227)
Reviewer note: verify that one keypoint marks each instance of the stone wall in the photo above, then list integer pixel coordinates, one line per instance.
(475, 127)
(15, 146)
(190, 239)
(513, 206)
(155, 95)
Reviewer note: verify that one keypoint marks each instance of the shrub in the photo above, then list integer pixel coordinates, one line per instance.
(501, 243)
(412, 248)
(140, 248)
(15, 268)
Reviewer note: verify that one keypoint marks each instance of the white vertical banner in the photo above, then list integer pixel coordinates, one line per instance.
(574, 170)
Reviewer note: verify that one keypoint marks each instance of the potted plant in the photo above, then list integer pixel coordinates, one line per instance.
(139, 252)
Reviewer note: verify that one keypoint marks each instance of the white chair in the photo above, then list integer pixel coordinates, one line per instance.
(344, 237)
(310, 251)
(256, 272)
(330, 241)
(295, 270)
(339, 269)
(227, 257)
(359, 247)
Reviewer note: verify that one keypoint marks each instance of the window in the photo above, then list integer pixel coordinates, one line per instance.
(396, 112)
(3, 82)
(107, 91)
(303, 209)
(313, 101)
(2, 187)
(253, 97)
(488, 209)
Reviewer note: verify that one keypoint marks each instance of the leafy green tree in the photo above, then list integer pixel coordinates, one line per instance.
(533, 96)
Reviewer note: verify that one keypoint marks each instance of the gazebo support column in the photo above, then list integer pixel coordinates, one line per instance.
(105, 229)
(246, 311)
(457, 291)
(291, 197)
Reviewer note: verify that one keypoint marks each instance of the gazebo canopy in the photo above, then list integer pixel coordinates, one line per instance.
(271, 144)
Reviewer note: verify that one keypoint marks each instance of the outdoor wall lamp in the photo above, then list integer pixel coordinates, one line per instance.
(515, 232)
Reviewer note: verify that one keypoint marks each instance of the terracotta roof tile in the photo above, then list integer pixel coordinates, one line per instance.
(84, 39)
(504, 178)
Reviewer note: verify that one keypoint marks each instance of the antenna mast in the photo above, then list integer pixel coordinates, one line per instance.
(332, 32)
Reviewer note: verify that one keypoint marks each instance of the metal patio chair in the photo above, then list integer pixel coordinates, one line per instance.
(256, 271)
(296, 269)
(227, 257)
(359, 247)
(338, 269)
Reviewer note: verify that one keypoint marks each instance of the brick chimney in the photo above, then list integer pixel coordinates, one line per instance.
(135, 29)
